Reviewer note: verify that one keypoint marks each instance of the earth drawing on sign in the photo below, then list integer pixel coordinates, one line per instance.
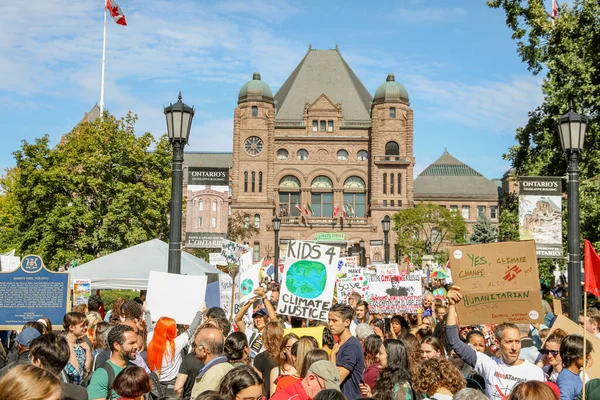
(246, 286)
(306, 279)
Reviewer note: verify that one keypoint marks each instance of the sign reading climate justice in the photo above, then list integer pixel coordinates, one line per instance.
(499, 283)
(309, 276)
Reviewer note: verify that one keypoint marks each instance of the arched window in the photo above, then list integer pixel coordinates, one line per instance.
(254, 111)
(247, 222)
(246, 181)
(354, 182)
(282, 154)
(342, 155)
(253, 181)
(260, 182)
(257, 221)
(200, 205)
(384, 183)
(392, 149)
(362, 155)
(289, 196)
(302, 154)
(214, 206)
(322, 197)
(322, 182)
(354, 196)
(391, 183)
(289, 181)
(392, 112)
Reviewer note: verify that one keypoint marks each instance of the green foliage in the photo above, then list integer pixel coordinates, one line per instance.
(508, 224)
(101, 190)
(110, 296)
(568, 51)
(427, 224)
(238, 229)
(484, 231)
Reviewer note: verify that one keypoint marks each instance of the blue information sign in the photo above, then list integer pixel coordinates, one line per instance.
(32, 292)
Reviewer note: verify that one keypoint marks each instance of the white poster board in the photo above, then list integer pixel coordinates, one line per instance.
(395, 294)
(177, 296)
(308, 280)
(249, 277)
(347, 285)
(215, 259)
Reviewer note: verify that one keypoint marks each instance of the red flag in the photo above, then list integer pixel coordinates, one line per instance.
(591, 268)
(554, 9)
(299, 208)
(116, 12)
(336, 210)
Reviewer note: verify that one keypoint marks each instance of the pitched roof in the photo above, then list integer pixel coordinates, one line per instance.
(323, 71)
(450, 177)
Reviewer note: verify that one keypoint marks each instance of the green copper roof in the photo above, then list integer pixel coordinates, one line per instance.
(390, 91)
(255, 89)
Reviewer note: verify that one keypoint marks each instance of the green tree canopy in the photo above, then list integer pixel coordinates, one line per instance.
(101, 190)
(427, 224)
(484, 231)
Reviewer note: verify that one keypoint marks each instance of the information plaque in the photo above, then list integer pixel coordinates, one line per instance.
(31, 292)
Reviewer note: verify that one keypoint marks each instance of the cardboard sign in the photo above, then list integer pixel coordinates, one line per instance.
(82, 290)
(499, 283)
(310, 271)
(395, 294)
(572, 328)
(225, 283)
(557, 306)
(353, 284)
(177, 296)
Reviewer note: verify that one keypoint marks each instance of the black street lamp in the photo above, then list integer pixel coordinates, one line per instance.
(385, 225)
(276, 225)
(179, 122)
(572, 128)
(363, 259)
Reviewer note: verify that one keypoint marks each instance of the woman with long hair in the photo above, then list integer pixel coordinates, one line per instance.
(551, 361)
(371, 347)
(439, 379)
(415, 355)
(132, 383)
(164, 353)
(47, 324)
(236, 349)
(394, 383)
(286, 361)
(28, 382)
(241, 383)
(113, 316)
(264, 362)
(378, 326)
(532, 390)
(431, 348)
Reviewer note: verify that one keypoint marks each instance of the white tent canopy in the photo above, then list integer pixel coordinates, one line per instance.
(130, 268)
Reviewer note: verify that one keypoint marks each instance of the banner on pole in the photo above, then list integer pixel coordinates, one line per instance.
(395, 294)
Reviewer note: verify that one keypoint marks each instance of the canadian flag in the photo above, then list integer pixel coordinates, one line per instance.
(554, 9)
(116, 12)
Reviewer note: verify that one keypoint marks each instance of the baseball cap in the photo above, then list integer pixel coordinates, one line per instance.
(260, 313)
(26, 336)
(328, 372)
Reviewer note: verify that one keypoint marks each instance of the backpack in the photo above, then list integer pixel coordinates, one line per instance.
(111, 379)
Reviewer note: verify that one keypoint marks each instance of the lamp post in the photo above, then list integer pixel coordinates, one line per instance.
(363, 259)
(572, 128)
(385, 225)
(179, 122)
(276, 225)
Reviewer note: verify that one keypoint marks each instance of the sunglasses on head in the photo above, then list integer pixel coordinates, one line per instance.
(545, 352)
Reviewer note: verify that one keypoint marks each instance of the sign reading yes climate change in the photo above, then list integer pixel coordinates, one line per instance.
(309, 279)
(499, 283)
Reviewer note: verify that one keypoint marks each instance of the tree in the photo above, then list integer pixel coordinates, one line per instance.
(508, 224)
(240, 227)
(427, 225)
(484, 231)
(567, 50)
(101, 190)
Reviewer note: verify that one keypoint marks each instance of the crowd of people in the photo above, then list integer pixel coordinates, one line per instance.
(123, 354)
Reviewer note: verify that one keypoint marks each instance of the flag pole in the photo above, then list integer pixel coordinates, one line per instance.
(584, 341)
(103, 64)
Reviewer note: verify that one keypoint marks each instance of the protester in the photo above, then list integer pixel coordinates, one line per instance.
(551, 361)
(45, 321)
(428, 301)
(188, 371)
(209, 349)
(75, 325)
(362, 331)
(259, 318)
(113, 316)
(321, 375)
(266, 361)
(362, 312)
(372, 346)
(93, 318)
(529, 350)
(236, 349)
(415, 355)
(132, 383)
(286, 361)
(52, 353)
(241, 383)
(502, 373)
(353, 299)
(438, 378)
(330, 394)
(28, 382)
(476, 339)
(122, 341)
(571, 352)
(469, 394)
(431, 348)
(398, 327)
(532, 390)
(394, 382)
(378, 326)
(23, 340)
(347, 354)
(440, 313)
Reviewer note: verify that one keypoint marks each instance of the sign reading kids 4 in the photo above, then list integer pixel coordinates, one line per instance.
(309, 279)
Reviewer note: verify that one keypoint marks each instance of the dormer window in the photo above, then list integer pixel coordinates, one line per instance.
(329, 126)
(254, 111)
(315, 125)
(392, 112)
(322, 126)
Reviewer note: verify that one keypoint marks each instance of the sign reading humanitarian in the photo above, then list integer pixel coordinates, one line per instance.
(309, 276)
(499, 283)
(31, 292)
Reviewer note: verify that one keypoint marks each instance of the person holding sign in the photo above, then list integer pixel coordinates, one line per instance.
(259, 318)
(503, 373)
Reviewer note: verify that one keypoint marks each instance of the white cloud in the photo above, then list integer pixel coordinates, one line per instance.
(211, 135)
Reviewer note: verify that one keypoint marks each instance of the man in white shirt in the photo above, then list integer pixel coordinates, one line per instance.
(503, 373)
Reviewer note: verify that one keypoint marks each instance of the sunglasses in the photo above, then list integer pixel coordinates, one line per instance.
(545, 352)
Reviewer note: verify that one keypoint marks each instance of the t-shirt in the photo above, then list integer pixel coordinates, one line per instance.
(264, 362)
(255, 342)
(294, 392)
(191, 367)
(350, 356)
(98, 387)
(569, 384)
(170, 367)
(371, 375)
(73, 392)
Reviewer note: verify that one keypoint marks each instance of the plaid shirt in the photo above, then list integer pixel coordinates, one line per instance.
(76, 374)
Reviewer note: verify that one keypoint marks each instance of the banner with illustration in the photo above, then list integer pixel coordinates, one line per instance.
(394, 294)
(499, 283)
(349, 265)
(540, 214)
(357, 283)
(308, 283)
(82, 290)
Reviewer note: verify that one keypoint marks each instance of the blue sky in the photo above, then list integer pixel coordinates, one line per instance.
(468, 88)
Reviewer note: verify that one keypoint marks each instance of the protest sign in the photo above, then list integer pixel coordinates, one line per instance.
(82, 290)
(349, 265)
(225, 288)
(32, 292)
(232, 252)
(387, 269)
(309, 279)
(572, 328)
(249, 277)
(556, 306)
(499, 283)
(357, 283)
(316, 332)
(176, 296)
(394, 294)
(215, 259)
